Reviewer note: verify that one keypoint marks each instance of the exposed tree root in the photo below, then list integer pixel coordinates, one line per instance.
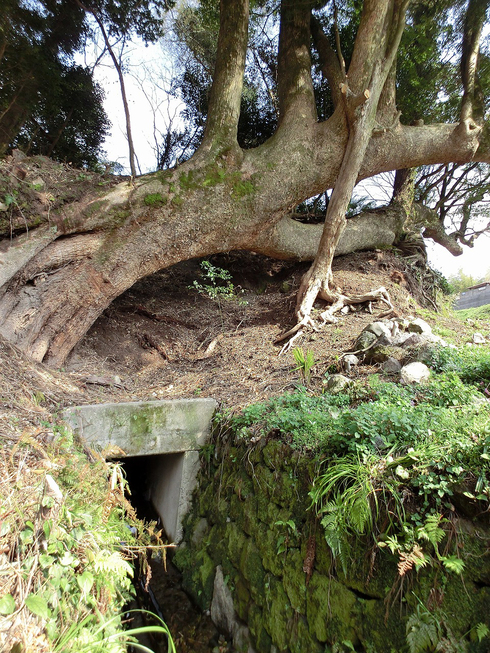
(328, 316)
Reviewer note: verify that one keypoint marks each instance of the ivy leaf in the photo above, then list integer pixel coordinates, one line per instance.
(85, 582)
(38, 606)
(7, 604)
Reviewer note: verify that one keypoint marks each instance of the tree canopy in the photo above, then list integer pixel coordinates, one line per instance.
(48, 103)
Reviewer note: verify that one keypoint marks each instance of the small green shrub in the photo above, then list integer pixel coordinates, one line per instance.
(471, 364)
(217, 282)
(155, 199)
(304, 363)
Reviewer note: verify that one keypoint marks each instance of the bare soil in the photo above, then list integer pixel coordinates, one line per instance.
(163, 339)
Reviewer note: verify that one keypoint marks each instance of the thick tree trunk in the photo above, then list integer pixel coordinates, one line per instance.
(57, 279)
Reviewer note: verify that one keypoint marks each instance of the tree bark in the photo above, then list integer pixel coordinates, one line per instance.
(370, 66)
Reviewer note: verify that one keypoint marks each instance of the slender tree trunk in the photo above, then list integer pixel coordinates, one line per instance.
(122, 86)
(368, 76)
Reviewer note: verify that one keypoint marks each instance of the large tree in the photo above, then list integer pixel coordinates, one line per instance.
(57, 279)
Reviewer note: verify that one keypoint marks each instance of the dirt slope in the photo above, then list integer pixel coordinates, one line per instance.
(163, 339)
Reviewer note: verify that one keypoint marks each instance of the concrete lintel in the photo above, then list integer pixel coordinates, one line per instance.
(145, 428)
(169, 431)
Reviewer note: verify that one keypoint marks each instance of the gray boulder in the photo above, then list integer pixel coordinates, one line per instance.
(337, 382)
(417, 325)
(414, 373)
(365, 339)
(391, 366)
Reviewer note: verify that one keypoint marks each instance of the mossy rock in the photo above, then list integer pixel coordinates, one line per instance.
(323, 554)
(375, 633)
(278, 615)
(235, 540)
(374, 582)
(286, 490)
(268, 549)
(253, 571)
(261, 637)
(294, 580)
(198, 571)
(244, 513)
(275, 455)
(300, 640)
(216, 544)
(382, 353)
(332, 610)
(242, 600)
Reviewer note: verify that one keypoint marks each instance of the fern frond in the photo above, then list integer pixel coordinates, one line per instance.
(112, 563)
(422, 631)
(453, 563)
(482, 631)
(431, 531)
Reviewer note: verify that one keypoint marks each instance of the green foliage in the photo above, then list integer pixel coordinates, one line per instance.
(287, 537)
(477, 313)
(482, 631)
(384, 442)
(75, 549)
(68, 122)
(304, 363)
(472, 365)
(217, 284)
(155, 199)
(48, 105)
(423, 630)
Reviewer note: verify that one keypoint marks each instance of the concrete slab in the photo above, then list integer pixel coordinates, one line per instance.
(169, 432)
(145, 428)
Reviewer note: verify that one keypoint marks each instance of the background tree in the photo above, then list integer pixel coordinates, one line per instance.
(36, 40)
(68, 122)
(117, 22)
(38, 75)
(462, 281)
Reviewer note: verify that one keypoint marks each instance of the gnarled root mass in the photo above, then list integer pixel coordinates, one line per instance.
(338, 302)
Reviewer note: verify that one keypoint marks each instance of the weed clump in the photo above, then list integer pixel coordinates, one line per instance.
(69, 540)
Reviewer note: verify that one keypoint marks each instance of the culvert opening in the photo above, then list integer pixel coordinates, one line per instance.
(155, 487)
(158, 479)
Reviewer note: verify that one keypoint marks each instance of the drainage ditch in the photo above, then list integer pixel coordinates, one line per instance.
(192, 631)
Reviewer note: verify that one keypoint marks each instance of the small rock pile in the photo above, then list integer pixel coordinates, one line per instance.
(398, 345)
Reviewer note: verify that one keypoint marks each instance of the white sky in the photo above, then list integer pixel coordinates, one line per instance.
(474, 261)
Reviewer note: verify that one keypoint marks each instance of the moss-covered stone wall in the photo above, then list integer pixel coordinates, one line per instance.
(251, 517)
